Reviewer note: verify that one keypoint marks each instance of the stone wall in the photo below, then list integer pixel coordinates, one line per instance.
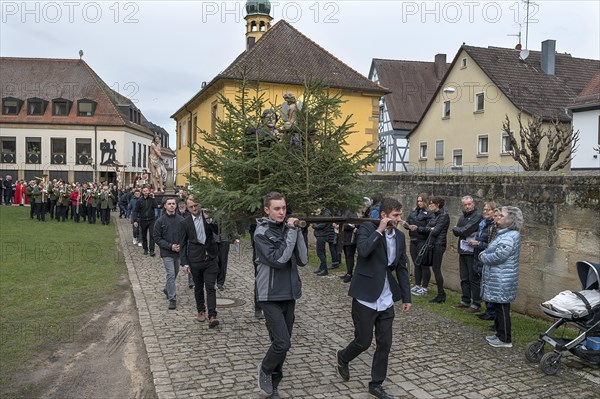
(562, 222)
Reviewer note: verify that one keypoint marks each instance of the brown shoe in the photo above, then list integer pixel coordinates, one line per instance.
(460, 305)
(201, 317)
(473, 310)
(213, 322)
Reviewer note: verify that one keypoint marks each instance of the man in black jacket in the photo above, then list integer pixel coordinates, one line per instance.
(169, 234)
(325, 235)
(199, 253)
(144, 211)
(467, 225)
(381, 249)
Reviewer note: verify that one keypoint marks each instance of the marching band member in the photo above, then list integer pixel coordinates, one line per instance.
(91, 203)
(62, 201)
(106, 199)
(75, 199)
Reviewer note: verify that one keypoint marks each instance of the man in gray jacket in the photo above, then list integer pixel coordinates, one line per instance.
(169, 234)
(280, 249)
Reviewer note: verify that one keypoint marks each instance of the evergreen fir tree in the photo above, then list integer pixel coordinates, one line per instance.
(309, 164)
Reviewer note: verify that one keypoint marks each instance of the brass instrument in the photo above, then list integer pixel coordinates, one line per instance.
(78, 199)
(44, 181)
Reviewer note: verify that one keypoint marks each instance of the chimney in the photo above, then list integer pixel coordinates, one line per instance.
(548, 56)
(439, 66)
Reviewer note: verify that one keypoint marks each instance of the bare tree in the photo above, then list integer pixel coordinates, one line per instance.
(561, 142)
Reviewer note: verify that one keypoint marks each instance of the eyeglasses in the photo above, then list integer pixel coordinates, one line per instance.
(193, 206)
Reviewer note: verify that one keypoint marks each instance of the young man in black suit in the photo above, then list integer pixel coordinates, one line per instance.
(381, 250)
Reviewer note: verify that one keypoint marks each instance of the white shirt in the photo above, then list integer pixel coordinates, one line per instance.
(386, 299)
(200, 233)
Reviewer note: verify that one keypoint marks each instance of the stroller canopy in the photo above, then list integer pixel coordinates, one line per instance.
(589, 275)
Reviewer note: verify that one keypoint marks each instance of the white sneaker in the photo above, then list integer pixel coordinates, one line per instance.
(415, 288)
(423, 291)
(139, 244)
(496, 343)
(134, 241)
(489, 338)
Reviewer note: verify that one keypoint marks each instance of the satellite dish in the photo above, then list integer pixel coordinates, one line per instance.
(523, 54)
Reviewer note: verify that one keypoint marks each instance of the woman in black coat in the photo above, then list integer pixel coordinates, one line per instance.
(438, 228)
(419, 217)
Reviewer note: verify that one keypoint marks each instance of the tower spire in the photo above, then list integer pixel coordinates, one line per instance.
(258, 20)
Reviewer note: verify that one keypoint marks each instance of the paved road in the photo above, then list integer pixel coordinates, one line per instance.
(432, 357)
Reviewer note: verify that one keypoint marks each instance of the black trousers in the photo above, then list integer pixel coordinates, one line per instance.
(414, 248)
(83, 211)
(502, 322)
(223, 260)
(438, 254)
(147, 228)
(91, 214)
(279, 319)
(51, 206)
(39, 208)
(105, 217)
(60, 213)
(349, 252)
(322, 255)
(470, 282)
(75, 212)
(364, 319)
(205, 276)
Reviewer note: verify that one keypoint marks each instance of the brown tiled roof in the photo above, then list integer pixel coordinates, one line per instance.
(527, 86)
(70, 79)
(412, 84)
(284, 55)
(590, 95)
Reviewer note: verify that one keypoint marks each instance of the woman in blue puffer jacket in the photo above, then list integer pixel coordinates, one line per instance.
(500, 275)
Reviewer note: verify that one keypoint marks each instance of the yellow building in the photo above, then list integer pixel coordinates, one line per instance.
(461, 128)
(279, 59)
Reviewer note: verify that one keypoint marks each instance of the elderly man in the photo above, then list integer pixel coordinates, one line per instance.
(467, 226)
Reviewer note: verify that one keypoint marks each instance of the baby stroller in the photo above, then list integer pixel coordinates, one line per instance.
(579, 308)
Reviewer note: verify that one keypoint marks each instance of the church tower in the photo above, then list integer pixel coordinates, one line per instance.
(258, 20)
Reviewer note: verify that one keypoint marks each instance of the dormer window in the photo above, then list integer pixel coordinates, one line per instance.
(135, 115)
(36, 106)
(86, 107)
(61, 107)
(11, 106)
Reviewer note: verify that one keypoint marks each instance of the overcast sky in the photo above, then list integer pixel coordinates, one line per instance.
(158, 53)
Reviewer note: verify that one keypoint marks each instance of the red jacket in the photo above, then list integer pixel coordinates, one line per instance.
(74, 197)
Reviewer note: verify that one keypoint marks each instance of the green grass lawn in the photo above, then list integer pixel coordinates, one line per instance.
(51, 274)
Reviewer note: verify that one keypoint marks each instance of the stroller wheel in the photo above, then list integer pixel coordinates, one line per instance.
(550, 363)
(534, 351)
